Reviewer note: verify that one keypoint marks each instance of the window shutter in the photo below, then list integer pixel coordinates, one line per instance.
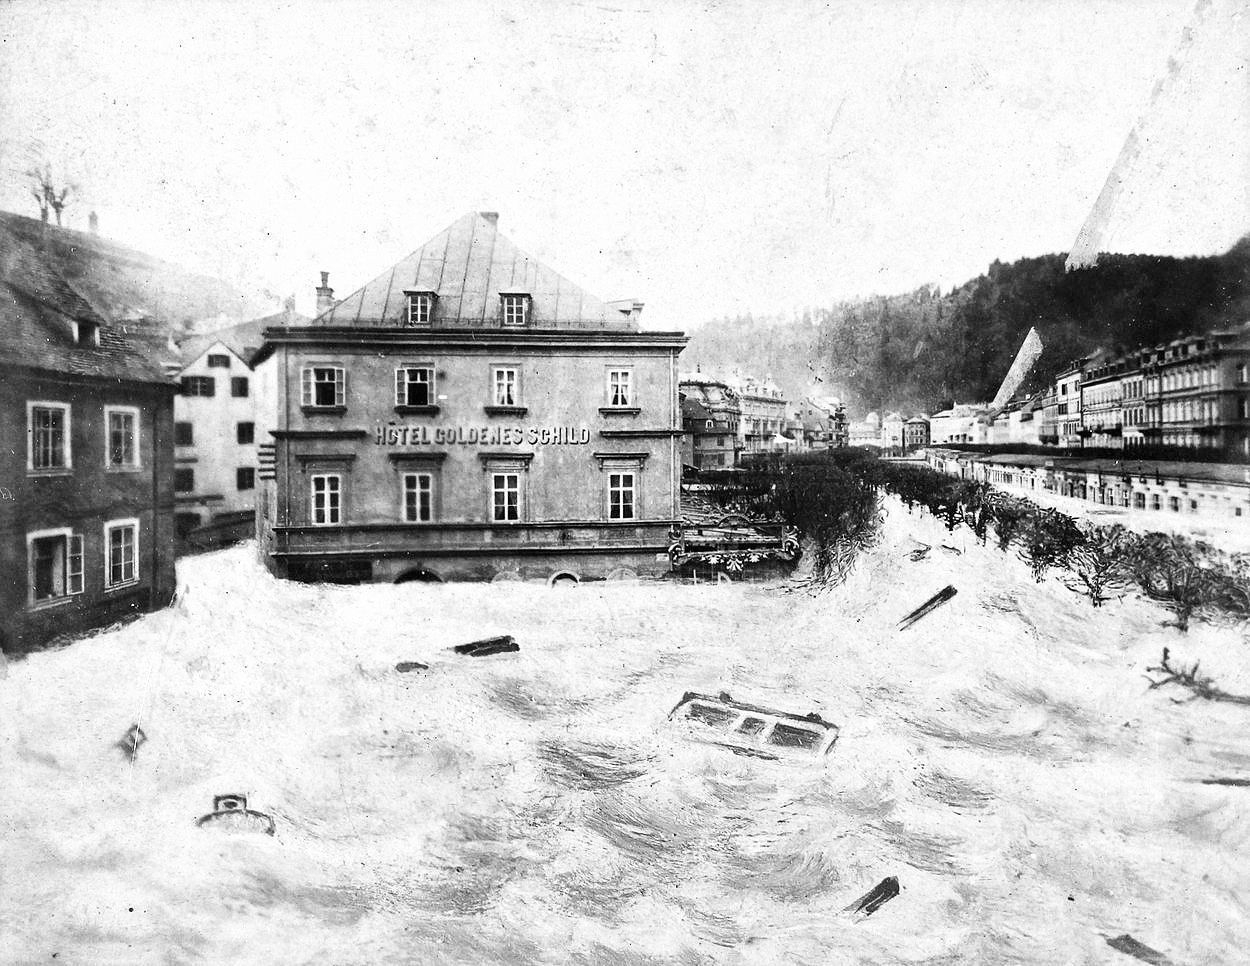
(306, 396)
(400, 381)
(211, 384)
(340, 387)
(74, 565)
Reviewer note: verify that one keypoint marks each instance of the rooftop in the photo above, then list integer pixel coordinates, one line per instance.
(468, 265)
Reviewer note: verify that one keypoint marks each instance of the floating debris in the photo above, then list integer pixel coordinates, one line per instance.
(875, 898)
(1131, 947)
(934, 602)
(132, 740)
(747, 729)
(487, 646)
(231, 812)
(403, 666)
(1232, 782)
(949, 549)
(920, 552)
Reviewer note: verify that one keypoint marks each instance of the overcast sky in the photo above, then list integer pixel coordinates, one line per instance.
(707, 158)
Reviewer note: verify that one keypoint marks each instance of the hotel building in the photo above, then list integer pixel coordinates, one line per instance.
(470, 415)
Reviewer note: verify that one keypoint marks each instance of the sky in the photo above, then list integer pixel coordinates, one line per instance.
(707, 158)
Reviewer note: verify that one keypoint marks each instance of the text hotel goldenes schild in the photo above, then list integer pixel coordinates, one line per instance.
(393, 435)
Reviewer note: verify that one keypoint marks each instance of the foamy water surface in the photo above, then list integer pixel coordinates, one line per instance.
(1002, 758)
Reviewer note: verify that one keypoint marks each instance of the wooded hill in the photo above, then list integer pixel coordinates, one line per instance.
(918, 351)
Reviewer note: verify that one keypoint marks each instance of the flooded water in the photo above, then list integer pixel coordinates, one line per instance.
(1002, 758)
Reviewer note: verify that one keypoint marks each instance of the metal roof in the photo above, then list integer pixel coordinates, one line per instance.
(468, 265)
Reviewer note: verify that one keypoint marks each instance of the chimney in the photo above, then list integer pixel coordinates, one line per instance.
(325, 294)
(93, 223)
(288, 310)
(491, 216)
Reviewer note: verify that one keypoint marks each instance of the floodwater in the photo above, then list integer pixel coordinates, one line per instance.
(1003, 758)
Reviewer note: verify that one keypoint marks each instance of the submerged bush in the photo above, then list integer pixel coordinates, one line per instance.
(1189, 577)
(1047, 540)
(1098, 566)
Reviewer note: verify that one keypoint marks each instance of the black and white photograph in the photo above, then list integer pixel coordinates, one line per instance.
(628, 482)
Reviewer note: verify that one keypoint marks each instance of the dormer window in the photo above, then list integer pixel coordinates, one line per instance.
(420, 309)
(86, 333)
(516, 307)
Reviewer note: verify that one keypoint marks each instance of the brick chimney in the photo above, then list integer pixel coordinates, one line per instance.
(491, 216)
(325, 294)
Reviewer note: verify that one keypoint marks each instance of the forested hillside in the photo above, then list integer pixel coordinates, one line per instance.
(919, 350)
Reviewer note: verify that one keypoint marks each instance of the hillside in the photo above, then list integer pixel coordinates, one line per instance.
(915, 351)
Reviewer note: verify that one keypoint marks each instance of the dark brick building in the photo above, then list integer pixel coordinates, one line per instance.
(86, 448)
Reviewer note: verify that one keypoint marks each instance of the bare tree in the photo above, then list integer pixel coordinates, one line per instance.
(43, 188)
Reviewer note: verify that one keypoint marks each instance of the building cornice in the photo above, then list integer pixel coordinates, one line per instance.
(464, 339)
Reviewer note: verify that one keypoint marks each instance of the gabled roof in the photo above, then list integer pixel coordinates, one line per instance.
(244, 339)
(468, 265)
(40, 303)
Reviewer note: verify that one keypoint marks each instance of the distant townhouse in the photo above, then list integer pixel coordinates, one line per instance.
(1203, 391)
(711, 420)
(915, 434)
(224, 411)
(1102, 401)
(892, 434)
(471, 414)
(86, 472)
(763, 416)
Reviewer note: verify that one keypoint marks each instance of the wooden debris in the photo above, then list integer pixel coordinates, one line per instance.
(411, 666)
(231, 812)
(949, 549)
(489, 645)
(920, 552)
(132, 740)
(1131, 947)
(934, 602)
(875, 898)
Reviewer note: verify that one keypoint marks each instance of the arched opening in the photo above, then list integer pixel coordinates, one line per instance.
(419, 575)
(564, 578)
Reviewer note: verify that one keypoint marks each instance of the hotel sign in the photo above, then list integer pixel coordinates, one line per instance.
(393, 434)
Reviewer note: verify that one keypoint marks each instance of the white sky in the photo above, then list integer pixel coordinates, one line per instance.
(707, 158)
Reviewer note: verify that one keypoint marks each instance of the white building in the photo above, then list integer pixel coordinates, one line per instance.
(224, 410)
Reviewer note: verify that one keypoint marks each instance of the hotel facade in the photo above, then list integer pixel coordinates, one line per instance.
(470, 415)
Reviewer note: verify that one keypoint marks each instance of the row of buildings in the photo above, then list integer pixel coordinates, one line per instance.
(468, 414)
(725, 420)
(1214, 492)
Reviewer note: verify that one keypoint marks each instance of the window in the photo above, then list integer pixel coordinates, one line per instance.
(218, 361)
(414, 386)
(54, 562)
(184, 480)
(327, 497)
(86, 333)
(199, 386)
(121, 541)
(1243, 373)
(238, 387)
(514, 309)
(1174, 504)
(505, 382)
(505, 497)
(620, 388)
(788, 736)
(324, 387)
(245, 433)
(621, 496)
(1139, 501)
(122, 444)
(184, 435)
(245, 478)
(420, 308)
(418, 497)
(48, 429)
(1243, 407)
